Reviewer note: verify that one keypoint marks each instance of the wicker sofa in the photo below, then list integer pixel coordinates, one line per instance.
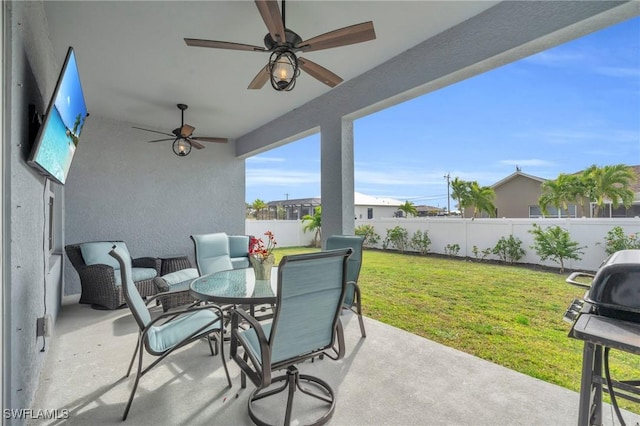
(100, 279)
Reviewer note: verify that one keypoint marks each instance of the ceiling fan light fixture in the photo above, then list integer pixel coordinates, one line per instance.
(283, 69)
(181, 147)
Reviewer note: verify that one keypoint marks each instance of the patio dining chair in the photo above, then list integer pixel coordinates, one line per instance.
(352, 297)
(164, 334)
(306, 324)
(212, 252)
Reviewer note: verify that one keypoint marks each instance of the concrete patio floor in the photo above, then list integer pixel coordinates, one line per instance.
(390, 378)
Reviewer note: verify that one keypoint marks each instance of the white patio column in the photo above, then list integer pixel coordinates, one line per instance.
(337, 182)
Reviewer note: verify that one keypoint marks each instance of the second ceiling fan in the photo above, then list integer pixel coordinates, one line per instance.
(284, 65)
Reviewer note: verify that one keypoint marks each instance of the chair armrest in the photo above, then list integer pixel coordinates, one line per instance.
(263, 378)
(146, 262)
(98, 272)
(161, 285)
(339, 350)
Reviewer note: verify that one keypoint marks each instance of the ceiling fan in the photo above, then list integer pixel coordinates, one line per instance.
(182, 136)
(284, 66)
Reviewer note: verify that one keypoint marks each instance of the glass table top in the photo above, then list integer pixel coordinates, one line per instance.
(236, 286)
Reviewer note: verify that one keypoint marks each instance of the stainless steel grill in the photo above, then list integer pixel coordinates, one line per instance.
(608, 317)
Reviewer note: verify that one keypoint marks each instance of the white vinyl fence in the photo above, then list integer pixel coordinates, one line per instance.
(467, 233)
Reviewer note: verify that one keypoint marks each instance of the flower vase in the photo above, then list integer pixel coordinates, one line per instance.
(262, 267)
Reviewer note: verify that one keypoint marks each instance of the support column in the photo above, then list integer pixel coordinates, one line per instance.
(337, 181)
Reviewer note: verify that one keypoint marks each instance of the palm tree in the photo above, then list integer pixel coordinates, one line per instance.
(315, 224)
(259, 205)
(609, 183)
(408, 208)
(482, 199)
(560, 192)
(461, 193)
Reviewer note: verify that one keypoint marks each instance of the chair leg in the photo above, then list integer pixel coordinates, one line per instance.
(224, 361)
(135, 351)
(135, 385)
(359, 312)
(291, 380)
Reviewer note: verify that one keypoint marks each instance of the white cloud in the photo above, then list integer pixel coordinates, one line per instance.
(621, 72)
(555, 59)
(280, 177)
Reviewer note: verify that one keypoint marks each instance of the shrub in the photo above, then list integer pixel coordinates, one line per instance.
(509, 249)
(452, 249)
(398, 237)
(617, 240)
(371, 238)
(482, 255)
(555, 243)
(421, 242)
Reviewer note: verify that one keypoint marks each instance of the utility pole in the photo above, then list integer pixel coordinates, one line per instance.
(447, 177)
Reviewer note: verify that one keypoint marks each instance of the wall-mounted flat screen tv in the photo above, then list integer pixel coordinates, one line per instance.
(57, 138)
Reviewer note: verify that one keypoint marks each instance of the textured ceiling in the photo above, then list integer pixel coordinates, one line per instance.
(136, 67)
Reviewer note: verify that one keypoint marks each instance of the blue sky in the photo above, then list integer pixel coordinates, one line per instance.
(558, 111)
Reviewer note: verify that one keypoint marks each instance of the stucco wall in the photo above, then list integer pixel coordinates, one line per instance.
(33, 71)
(122, 188)
(514, 197)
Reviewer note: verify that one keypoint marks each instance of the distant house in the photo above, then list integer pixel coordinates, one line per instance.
(517, 196)
(365, 207)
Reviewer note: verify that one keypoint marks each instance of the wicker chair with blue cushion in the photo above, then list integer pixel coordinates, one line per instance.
(306, 323)
(164, 334)
(100, 274)
(352, 297)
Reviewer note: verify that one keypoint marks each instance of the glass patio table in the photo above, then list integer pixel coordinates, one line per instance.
(236, 286)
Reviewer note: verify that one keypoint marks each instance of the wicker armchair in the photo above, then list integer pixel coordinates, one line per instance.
(98, 281)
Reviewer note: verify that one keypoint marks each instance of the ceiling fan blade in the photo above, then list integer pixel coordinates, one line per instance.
(154, 131)
(210, 139)
(260, 79)
(341, 37)
(186, 130)
(162, 140)
(195, 144)
(272, 18)
(318, 72)
(222, 45)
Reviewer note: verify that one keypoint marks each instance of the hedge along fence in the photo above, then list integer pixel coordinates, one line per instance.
(467, 233)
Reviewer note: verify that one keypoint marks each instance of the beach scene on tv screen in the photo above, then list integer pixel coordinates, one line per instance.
(63, 126)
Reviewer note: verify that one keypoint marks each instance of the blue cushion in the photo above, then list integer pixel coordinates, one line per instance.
(97, 253)
(137, 274)
(166, 336)
(180, 276)
(240, 262)
(238, 246)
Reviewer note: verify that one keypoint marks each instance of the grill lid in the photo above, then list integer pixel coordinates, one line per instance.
(615, 289)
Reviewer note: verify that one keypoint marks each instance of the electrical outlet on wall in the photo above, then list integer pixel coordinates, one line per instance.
(40, 325)
(43, 326)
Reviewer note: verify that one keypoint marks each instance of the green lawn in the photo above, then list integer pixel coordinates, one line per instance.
(509, 315)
